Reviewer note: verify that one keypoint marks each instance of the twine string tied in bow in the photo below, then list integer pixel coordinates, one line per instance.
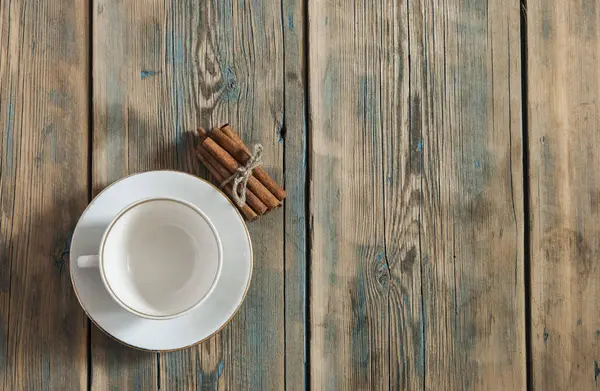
(242, 174)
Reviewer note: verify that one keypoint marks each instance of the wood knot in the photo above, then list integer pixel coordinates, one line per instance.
(382, 271)
(63, 257)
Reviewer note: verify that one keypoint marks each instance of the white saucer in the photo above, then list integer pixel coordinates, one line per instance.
(200, 323)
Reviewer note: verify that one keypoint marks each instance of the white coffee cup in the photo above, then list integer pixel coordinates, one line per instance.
(159, 258)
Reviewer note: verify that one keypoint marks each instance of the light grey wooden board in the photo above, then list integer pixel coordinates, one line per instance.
(465, 94)
(416, 196)
(349, 279)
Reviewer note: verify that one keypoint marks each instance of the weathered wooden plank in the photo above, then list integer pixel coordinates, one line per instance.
(466, 144)
(416, 175)
(294, 138)
(402, 174)
(235, 69)
(44, 71)
(563, 89)
(349, 279)
(130, 135)
(161, 69)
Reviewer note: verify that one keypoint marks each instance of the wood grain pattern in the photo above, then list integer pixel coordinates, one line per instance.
(402, 197)
(43, 188)
(417, 260)
(162, 69)
(294, 136)
(414, 169)
(563, 89)
(235, 67)
(465, 115)
(241, 52)
(349, 315)
(133, 131)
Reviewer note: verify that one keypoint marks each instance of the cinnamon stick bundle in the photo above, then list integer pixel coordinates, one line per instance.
(229, 140)
(223, 152)
(253, 201)
(248, 213)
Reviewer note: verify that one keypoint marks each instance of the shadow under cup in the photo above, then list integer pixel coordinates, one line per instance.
(160, 258)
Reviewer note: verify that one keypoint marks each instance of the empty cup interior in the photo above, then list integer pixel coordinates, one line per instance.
(160, 258)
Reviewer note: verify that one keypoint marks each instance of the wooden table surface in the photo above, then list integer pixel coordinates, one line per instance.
(440, 159)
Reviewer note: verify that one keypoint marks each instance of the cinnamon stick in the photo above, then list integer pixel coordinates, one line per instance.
(251, 199)
(202, 134)
(246, 210)
(228, 130)
(227, 139)
(232, 165)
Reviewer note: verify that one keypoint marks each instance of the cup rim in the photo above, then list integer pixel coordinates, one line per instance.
(128, 208)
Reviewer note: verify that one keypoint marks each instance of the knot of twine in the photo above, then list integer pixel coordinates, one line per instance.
(242, 174)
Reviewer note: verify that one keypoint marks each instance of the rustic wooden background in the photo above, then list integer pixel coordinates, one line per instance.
(440, 158)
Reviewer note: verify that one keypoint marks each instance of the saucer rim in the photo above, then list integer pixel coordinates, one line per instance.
(166, 320)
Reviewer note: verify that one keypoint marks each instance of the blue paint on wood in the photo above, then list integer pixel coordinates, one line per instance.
(60, 99)
(169, 46)
(359, 331)
(230, 87)
(420, 362)
(367, 108)
(262, 345)
(220, 369)
(53, 96)
(291, 22)
(53, 148)
(547, 22)
(332, 197)
(116, 127)
(48, 130)
(330, 83)
(210, 380)
(180, 140)
(332, 278)
(281, 129)
(144, 74)
(420, 146)
(406, 319)
(586, 24)
(418, 335)
(63, 257)
(389, 180)
(178, 52)
(415, 157)
(200, 379)
(175, 49)
(258, 15)
(477, 164)
(45, 372)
